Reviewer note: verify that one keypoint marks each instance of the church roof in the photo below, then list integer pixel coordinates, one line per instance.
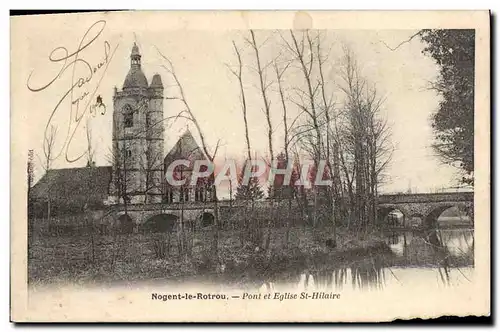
(185, 148)
(71, 188)
(135, 79)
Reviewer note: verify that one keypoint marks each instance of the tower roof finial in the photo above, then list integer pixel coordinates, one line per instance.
(135, 77)
(135, 50)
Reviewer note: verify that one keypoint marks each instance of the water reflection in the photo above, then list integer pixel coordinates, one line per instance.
(441, 257)
(364, 274)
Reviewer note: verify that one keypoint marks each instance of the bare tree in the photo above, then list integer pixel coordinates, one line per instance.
(152, 161)
(188, 114)
(367, 138)
(353, 139)
(89, 221)
(301, 47)
(327, 107)
(120, 160)
(48, 152)
(48, 147)
(289, 190)
(252, 190)
(243, 191)
(344, 141)
(355, 122)
(30, 169)
(90, 153)
(151, 157)
(264, 86)
(279, 79)
(30, 177)
(379, 147)
(239, 75)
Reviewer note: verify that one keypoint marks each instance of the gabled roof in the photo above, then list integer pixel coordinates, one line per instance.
(185, 148)
(71, 188)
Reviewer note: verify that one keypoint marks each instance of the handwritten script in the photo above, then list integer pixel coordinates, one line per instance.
(77, 101)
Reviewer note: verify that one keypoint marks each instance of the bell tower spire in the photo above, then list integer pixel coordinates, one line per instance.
(138, 135)
(135, 57)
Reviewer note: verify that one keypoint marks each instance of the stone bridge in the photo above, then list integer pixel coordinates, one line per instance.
(424, 209)
(162, 217)
(417, 210)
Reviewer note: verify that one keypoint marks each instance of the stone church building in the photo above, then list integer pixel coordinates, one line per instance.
(136, 176)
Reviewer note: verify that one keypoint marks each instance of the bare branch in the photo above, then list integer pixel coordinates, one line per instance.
(401, 43)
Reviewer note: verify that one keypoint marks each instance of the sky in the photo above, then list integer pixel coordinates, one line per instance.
(202, 59)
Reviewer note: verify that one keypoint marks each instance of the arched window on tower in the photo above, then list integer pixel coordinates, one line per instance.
(184, 194)
(199, 195)
(169, 195)
(128, 116)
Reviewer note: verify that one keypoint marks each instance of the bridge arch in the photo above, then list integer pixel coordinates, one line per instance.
(161, 223)
(392, 215)
(125, 224)
(206, 219)
(416, 220)
(458, 212)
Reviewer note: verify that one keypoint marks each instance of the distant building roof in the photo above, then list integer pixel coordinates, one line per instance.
(73, 188)
(185, 148)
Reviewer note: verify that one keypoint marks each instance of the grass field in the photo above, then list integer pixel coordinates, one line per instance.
(132, 257)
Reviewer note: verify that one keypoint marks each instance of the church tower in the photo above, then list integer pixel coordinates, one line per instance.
(138, 131)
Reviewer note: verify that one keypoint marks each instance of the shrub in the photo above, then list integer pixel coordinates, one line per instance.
(160, 248)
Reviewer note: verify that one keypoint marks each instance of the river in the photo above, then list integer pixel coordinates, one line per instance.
(419, 273)
(432, 258)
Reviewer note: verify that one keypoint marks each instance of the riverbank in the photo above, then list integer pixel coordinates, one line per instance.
(136, 257)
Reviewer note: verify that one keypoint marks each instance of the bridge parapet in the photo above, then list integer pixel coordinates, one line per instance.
(383, 199)
(426, 198)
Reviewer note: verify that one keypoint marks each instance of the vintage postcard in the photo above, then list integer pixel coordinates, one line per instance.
(250, 166)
